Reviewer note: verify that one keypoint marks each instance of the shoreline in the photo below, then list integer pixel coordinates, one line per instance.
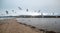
(11, 26)
(15, 21)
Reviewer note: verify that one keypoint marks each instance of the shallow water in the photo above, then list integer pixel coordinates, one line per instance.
(42, 23)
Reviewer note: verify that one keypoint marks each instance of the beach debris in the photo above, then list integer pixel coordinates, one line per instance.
(20, 23)
(44, 30)
(27, 25)
(33, 27)
(24, 24)
(50, 32)
(19, 8)
(41, 30)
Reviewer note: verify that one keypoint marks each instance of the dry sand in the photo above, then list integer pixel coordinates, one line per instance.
(11, 26)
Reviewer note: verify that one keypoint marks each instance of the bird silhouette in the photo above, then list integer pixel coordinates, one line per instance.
(6, 12)
(27, 10)
(19, 8)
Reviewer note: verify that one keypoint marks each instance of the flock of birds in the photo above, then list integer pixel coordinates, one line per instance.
(27, 10)
(7, 12)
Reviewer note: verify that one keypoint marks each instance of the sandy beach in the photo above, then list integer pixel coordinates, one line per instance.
(12, 26)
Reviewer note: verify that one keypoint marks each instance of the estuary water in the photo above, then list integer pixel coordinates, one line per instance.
(42, 23)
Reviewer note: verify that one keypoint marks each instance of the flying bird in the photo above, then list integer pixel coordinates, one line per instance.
(19, 8)
(27, 10)
(39, 11)
(12, 10)
(6, 12)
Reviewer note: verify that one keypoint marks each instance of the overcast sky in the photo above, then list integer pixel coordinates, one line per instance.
(43, 5)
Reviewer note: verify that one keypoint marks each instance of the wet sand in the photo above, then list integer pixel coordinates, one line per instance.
(12, 26)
